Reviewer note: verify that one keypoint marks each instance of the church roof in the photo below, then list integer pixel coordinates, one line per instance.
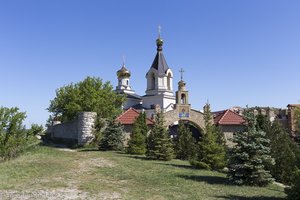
(133, 96)
(159, 62)
(228, 117)
(129, 116)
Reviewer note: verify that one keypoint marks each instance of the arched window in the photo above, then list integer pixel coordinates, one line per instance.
(127, 82)
(152, 81)
(183, 99)
(169, 81)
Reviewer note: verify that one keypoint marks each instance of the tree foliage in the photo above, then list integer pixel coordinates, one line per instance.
(159, 144)
(184, 143)
(284, 150)
(211, 147)
(91, 95)
(293, 192)
(112, 138)
(250, 155)
(14, 138)
(137, 141)
(297, 123)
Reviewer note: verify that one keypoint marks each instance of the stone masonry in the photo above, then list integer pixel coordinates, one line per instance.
(79, 131)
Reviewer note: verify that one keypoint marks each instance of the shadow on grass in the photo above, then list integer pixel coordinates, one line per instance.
(88, 149)
(124, 154)
(207, 179)
(58, 145)
(179, 166)
(236, 197)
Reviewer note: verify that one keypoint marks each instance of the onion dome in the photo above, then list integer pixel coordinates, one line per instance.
(123, 72)
(159, 43)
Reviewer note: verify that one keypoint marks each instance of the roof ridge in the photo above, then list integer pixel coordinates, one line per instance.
(126, 112)
(225, 112)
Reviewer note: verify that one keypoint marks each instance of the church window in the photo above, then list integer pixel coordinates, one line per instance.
(152, 81)
(169, 81)
(127, 82)
(183, 99)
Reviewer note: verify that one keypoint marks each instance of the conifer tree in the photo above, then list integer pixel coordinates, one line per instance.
(159, 144)
(112, 138)
(184, 143)
(137, 141)
(211, 151)
(250, 155)
(297, 123)
(285, 152)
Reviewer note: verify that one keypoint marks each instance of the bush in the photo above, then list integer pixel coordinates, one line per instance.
(293, 192)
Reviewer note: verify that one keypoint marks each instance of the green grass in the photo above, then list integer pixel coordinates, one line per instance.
(112, 175)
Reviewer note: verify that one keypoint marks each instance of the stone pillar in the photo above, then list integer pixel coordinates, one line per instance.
(86, 121)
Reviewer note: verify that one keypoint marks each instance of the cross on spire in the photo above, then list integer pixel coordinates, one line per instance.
(124, 59)
(159, 30)
(181, 72)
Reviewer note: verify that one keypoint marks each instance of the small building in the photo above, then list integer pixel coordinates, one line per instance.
(291, 119)
(229, 123)
(127, 119)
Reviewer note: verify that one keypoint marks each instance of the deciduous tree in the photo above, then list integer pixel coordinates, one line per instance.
(90, 95)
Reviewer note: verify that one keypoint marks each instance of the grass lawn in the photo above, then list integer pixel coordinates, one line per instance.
(51, 173)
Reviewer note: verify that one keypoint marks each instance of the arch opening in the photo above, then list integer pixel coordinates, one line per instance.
(194, 128)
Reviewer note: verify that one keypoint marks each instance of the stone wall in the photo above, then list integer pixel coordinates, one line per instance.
(229, 131)
(86, 121)
(195, 116)
(79, 131)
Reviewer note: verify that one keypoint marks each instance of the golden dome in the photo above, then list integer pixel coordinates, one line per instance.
(123, 72)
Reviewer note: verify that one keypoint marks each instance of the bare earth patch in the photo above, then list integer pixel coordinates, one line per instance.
(65, 194)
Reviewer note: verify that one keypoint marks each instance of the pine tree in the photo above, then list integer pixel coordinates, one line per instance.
(284, 151)
(112, 138)
(137, 141)
(250, 155)
(184, 143)
(297, 123)
(159, 144)
(211, 149)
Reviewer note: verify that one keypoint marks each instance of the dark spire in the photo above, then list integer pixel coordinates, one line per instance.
(159, 62)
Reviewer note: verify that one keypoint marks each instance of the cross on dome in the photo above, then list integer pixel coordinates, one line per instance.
(181, 72)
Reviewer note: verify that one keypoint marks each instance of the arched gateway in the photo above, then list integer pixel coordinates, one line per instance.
(183, 112)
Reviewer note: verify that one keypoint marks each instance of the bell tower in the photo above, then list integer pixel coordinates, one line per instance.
(182, 99)
(159, 82)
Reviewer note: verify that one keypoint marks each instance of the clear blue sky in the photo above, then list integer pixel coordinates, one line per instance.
(234, 52)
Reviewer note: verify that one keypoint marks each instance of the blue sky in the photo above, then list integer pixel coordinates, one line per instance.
(235, 53)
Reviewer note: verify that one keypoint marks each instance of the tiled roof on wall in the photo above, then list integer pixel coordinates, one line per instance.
(228, 117)
(129, 116)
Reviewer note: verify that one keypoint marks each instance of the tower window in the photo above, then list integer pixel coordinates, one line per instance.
(169, 81)
(153, 82)
(127, 82)
(183, 99)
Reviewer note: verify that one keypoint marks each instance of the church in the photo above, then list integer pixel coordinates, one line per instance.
(159, 97)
